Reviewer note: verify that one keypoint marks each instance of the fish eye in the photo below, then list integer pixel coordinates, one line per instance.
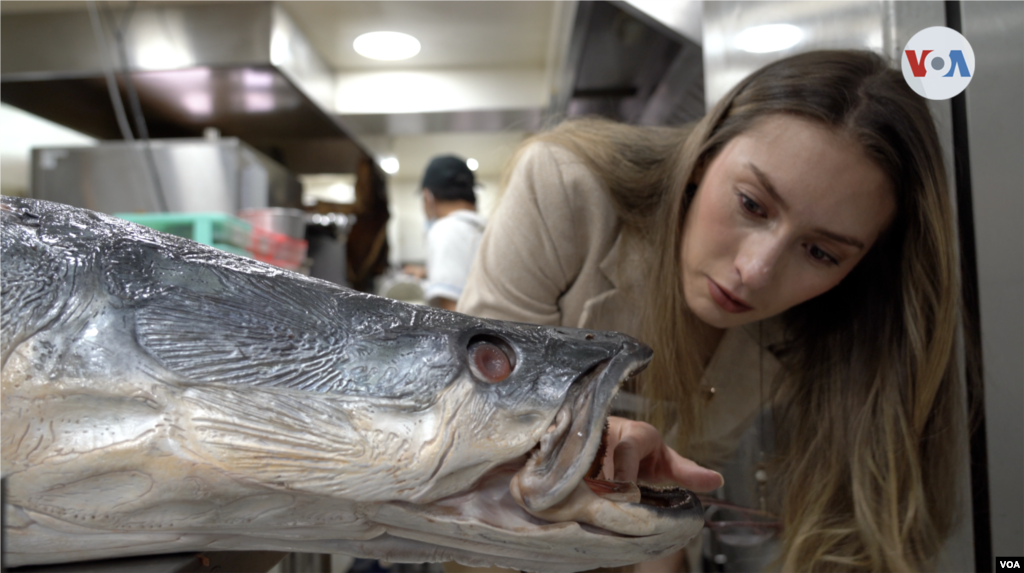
(490, 358)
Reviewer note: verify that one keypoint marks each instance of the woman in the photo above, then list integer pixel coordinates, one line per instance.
(800, 234)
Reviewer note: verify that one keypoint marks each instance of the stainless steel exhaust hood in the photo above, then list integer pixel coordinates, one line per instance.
(243, 68)
(626, 65)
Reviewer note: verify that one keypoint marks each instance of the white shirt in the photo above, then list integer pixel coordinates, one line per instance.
(451, 245)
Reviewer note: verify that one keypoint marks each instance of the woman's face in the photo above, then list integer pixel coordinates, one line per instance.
(781, 215)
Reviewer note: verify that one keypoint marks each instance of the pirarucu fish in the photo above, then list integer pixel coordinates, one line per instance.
(163, 396)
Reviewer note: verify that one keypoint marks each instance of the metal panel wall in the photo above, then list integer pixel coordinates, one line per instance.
(195, 175)
(160, 37)
(883, 26)
(995, 129)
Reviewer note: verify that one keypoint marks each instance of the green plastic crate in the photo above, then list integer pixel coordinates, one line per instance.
(219, 230)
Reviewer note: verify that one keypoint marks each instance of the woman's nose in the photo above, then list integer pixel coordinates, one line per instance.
(758, 260)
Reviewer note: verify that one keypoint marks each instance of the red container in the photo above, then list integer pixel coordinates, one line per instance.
(277, 249)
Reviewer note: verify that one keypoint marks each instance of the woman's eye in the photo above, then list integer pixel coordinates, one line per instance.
(751, 206)
(489, 362)
(821, 256)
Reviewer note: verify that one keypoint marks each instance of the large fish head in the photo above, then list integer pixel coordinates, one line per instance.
(467, 439)
(521, 477)
(186, 398)
(521, 389)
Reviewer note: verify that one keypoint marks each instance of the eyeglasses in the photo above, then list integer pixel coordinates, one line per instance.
(738, 526)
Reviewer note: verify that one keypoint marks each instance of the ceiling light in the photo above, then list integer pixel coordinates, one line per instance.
(280, 48)
(386, 46)
(389, 165)
(161, 56)
(769, 38)
(472, 164)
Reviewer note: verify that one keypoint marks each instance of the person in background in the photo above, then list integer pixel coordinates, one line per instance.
(454, 228)
(793, 252)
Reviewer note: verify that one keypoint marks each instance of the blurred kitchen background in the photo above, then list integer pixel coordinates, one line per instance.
(256, 126)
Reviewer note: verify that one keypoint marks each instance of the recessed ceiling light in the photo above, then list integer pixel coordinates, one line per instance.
(389, 165)
(473, 164)
(769, 38)
(386, 46)
(155, 55)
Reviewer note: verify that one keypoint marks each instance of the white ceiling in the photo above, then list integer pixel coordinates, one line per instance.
(493, 40)
(460, 34)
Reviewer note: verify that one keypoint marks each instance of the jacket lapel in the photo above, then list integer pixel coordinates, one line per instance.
(612, 309)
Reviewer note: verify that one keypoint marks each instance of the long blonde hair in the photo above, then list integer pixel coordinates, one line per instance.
(866, 457)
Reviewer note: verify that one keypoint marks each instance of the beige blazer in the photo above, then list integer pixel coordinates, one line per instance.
(553, 254)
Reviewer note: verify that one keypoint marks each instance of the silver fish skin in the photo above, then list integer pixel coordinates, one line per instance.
(162, 396)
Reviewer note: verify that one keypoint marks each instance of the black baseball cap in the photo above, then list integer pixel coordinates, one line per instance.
(449, 179)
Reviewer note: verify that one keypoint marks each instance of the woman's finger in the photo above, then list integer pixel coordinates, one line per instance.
(626, 460)
(629, 442)
(636, 451)
(692, 476)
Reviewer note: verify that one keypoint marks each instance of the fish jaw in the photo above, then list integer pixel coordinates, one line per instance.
(568, 448)
(493, 523)
(486, 527)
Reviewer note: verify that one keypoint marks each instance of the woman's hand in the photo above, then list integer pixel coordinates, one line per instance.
(635, 451)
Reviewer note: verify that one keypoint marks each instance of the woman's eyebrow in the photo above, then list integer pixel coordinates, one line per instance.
(762, 177)
(841, 238)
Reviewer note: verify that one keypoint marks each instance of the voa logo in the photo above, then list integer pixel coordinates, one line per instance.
(1007, 563)
(938, 63)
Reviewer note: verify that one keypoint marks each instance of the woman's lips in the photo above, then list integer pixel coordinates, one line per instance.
(725, 299)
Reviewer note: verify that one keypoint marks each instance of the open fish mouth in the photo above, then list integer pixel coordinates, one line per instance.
(560, 480)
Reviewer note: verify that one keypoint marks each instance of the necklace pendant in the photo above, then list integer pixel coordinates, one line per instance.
(707, 392)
